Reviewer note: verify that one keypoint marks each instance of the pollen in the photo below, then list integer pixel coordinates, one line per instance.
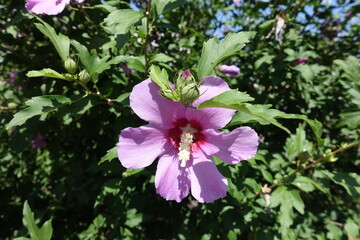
(186, 139)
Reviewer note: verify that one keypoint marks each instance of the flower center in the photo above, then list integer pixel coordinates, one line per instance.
(185, 136)
(186, 139)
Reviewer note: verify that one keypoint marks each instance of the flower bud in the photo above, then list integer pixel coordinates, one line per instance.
(166, 93)
(190, 93)
(329, 156)
(184, 77)
(84, 76)
(70, 65)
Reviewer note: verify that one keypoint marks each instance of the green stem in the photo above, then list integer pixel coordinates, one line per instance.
(147, 38)
(311, 165)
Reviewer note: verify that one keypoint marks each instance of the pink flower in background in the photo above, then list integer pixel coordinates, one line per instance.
(49, 7)
(349, 14)
(231, 71)
(236, 1)
(126, 69)
(12, 77)
(38, 142)
(184, 139)
(300, 60)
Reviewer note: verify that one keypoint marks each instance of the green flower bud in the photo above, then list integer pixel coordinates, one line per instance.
(167, 93)
(190, 93)
(70, 65)
(184, 77)
(329, 156)
(84, 76)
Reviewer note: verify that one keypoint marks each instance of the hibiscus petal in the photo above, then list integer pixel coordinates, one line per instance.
(207, 183)
(211, 87)
(49, 7)
(231, 148)
(172, 181)
(150, 106)
(139, 147)
(215, 118)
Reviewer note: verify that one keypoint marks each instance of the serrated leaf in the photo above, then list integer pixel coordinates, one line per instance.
(110, 155)
(213, 51)
(120, 21)
(160, 77)
(44, 233)
(349, 181)
(231, 99)
(264, 115)
(252, 184)
(237, 102)
(287, 199)
(91, 60)
(46, 72)
(351, 229)
(41, 105)
(351, 68)
(297, 144)
(60, 42)
(350, 119)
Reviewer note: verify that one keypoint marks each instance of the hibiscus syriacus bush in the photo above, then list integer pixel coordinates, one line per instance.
(179, 119)
(185, 139)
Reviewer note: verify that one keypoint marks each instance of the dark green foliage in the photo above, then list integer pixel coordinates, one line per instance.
(76, 187)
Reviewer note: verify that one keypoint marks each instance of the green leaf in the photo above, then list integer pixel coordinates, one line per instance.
(110, 155)
(160, 77)
(309, 72)
(120, 21)
(44, 233)
(297, 144)
(41, 105)
(351, 68)
(60, 42)
(351, 229)
(91, 60)
(160, 57)
(213, 51)
(133, 218)
(236, 102)
(264, 115)
(252, 184)
(231, 99)
(164, 6)
(349, 181)
(122, 97)
(46, 72)
(287, 199)
(306, 184)
(136, 63)
(264, 59)
(350, 119)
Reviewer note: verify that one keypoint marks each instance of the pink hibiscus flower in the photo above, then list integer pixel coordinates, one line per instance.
(184, 139)
(229, 70)
(49, 7)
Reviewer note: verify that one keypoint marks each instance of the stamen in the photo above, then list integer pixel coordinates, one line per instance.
(186, 139)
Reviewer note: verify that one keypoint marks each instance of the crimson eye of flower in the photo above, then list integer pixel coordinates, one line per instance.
(184, 140)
